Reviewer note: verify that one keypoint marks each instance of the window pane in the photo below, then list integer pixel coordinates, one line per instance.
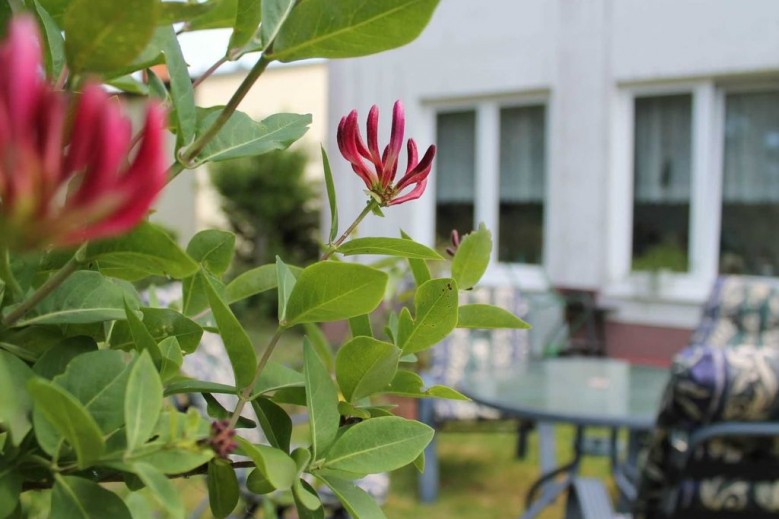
(522, 177)
(662, 178)
(455, 183)
(750, 190)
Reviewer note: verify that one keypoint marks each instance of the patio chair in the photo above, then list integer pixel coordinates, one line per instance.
(715, 450)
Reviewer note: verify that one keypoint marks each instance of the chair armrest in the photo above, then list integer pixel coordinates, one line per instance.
(726, 429)
(588, 499)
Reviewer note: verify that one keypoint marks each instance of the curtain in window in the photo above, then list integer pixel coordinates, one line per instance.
(751, 162)
(663, 143)
(522, 154)
(456, 157)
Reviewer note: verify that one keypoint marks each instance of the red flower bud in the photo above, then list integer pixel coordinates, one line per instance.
(378, 169)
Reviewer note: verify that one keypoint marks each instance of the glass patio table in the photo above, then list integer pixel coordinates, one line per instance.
(581, 391)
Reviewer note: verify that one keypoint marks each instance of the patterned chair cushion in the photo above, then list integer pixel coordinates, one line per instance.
(465, 351)
(712, 384)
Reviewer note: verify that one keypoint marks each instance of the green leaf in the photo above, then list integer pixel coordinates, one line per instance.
(103, 36)
(213, 249)
(259, 484)
(223, 489)
(305, 496)
(472, 258)
(378, 445)
(84, 297)
(171, 360)
(407, 383)
(195, 296)
(15, 403)
(350, 28)
(10, 491)
(143, 401)
(435, 315)
(198, 386)
(172, 12)
(419, 463)
(357, 502)
(70, 419)
(55, 45)
(182, 95)
(247, 20)
(321, 401)
(162, 489)
(161, 323)
(365, 366)
(321, 344)
(75, 497)
(389, 247)
(255, 281)
(221, 15)
(98, 379)
(146, 249)
(275, 422)
(286, 282)
(419, 268)
(302, 508)
(217, 411)
(129, 84)
(330, 291)
(350, 410)
(244, 137)
(56, 8)
(142, 339)
(488, 316)
(331, 197)
(274, 464)
(361, 325)
(276, 376)
(239, 347)
(55, 360)
(274, 15)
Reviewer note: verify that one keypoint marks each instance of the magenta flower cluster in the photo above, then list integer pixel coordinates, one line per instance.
(378, 169)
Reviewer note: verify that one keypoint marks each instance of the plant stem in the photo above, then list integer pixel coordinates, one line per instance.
(246, 393)
(194, 150)
(7, 275)
(333, 246)
(205, 75)
(44, 290)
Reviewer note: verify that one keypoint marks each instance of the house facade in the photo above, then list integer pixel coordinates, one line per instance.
(622, 147)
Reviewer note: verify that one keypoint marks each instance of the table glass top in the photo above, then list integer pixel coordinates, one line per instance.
(585, 391)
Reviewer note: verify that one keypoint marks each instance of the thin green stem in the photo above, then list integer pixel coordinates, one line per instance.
(7, 275)
(337, 243)
(194, 150)
(44, 290)
(246, 393)
(205, 75)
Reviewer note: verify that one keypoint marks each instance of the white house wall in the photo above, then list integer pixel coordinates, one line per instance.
(577, 54)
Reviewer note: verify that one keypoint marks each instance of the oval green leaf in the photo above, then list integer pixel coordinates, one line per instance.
(472, 258)
(488, 316)
(104, 36)
(350, 28)
(330, 291)
(365, 366)
(389, 247)
(435, 315)
(75, 497)
(321, 400)
(223, 489)
(143, 401)
(274, 464)
(378, 445)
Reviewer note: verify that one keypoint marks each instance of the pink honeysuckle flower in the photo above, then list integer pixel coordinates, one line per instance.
(377, 169)
(66, 169)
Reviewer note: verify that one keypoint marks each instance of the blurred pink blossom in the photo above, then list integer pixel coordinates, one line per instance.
(66, 171)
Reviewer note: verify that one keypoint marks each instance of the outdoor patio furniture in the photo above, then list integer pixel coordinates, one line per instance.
(713, 453)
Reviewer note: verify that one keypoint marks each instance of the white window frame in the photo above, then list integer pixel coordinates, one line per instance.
(487, 181)
(708, 118)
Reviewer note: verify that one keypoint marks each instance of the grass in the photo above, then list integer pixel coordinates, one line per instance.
(481, 477)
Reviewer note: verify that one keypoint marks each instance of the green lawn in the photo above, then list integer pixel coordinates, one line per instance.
(481, 477)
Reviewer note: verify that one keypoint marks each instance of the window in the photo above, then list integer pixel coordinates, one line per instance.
(750, 185)
(662, 175)
(491, 168)
(522, 172)
(695, 187)
(456, 164)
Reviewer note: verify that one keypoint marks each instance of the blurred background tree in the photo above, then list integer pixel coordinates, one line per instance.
(273, 208)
